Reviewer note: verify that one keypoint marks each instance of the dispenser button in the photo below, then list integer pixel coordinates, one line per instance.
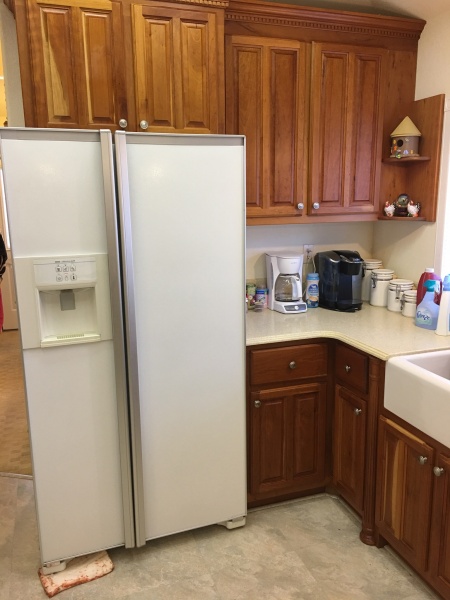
(58, 269)
(73, 268)
(65, 268)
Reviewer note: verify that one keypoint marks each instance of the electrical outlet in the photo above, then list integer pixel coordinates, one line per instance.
(308, 250)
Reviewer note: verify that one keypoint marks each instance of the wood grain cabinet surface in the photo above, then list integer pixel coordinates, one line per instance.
(178, 58)
(358, 393)
(287, 421)
(348, 91)
(267, 94)
(77, 66)
(413, 501)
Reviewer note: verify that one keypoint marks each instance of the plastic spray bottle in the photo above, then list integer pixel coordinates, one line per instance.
(428, 311)
(443, 322)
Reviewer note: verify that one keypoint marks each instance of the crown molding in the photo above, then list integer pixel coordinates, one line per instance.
(291, 15)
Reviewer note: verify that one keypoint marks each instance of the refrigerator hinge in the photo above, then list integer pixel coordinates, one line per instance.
(55, 566)
(233, 523)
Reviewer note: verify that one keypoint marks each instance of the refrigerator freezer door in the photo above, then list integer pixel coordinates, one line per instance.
(56, 187)
(183, 208)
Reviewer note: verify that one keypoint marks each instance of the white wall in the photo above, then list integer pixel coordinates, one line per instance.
(328, 236)
(8, 37)
(409, 247)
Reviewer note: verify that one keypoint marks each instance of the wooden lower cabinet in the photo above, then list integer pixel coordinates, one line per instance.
(349, 446)
(287, 448)
(413, 502)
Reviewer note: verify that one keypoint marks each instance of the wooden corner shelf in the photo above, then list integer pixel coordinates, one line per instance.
(408, 219)
(405, 160)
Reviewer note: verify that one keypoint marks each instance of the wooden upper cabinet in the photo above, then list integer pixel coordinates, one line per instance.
(347, 96)
(179, 79)
(266, 100)
(77, 76)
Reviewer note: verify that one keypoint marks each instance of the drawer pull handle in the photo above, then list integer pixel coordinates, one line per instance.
(438, 471)
(292, 364)
(257, 403)
(348, 368)
(423, 460)
(357, 411)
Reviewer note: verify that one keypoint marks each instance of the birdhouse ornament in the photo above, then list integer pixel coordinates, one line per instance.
(405, 140)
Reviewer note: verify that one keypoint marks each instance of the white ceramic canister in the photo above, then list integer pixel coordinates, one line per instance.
(380, 285)
(395, 293)
(369, 265)
(408, 303)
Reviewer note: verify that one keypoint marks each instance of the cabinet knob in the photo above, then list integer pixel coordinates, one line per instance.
(143, 124)
(300, 206)
(438, 471)
(292, 364)
(316, 206)
(257, 403)
(123, 123)
(348, 368)
(423, 460)
(357, 411)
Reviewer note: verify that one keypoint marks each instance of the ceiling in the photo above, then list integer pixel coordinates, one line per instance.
(421, 9)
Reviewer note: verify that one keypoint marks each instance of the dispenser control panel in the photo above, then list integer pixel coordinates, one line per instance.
(65, 272)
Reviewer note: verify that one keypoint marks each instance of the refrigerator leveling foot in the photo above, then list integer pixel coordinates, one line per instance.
(56, 566)
(233, 523)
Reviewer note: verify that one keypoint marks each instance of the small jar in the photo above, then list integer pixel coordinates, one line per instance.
(408, 303)
(260, 298)
(380, 285)
(368, 266)
(395, 292)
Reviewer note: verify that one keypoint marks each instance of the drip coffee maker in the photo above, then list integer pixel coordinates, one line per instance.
(284, 281)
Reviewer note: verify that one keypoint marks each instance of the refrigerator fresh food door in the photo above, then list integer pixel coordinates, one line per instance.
(182, 205)
(59, 188)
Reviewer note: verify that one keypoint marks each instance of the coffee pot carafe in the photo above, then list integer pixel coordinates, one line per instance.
(288, 288)
(284, 281)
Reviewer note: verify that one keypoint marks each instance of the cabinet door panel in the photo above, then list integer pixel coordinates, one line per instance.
(177, 75)
(270, 443)
(285, 147)
(440, 534)
(404, 492)
(365, 148)
(349, 449)
(309, 406)
(78, 78)
(99, 75)
(244, 111)
(329, 104)
(287, 449)
(194, 68)
(154, 77)
(53, 65)
(346, 121)
(267, 102)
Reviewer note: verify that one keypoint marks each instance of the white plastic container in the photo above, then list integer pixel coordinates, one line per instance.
(443, 324)
(395, 292)
(408, 303)
(369, 265)
(380, 285)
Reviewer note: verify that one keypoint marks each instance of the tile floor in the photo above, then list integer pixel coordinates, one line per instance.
(302, 550)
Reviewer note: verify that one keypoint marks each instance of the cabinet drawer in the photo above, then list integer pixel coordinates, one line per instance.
(288, 364)
(352, 368)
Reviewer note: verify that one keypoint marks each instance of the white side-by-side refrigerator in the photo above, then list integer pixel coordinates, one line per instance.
(129, 258)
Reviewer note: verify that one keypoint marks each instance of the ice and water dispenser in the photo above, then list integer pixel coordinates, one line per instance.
(71, 300)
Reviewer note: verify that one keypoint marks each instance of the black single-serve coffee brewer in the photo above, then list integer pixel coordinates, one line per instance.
(340, 279)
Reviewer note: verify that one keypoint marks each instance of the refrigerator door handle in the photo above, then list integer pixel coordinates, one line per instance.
(130, 333)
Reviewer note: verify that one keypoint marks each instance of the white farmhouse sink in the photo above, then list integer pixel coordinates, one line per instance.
(417, 389)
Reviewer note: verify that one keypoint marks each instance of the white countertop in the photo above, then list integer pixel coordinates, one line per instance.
(375, 330)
